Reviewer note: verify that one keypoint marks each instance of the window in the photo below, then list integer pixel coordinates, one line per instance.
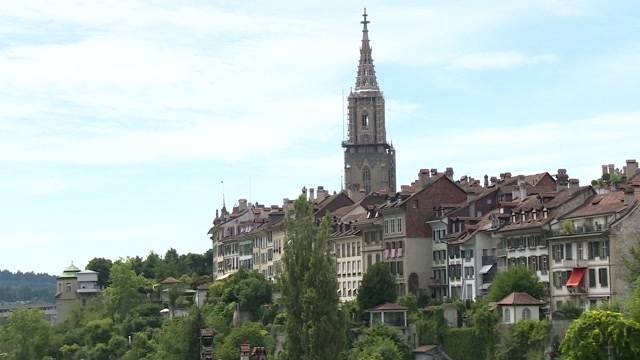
(604, 280)
(605, 249)
(400, 225)
(365, 119)
(358, 266)
(568, 252)
(592, 278)
(353, 249)
(343, 250)
(400, 268)
(526, 314)
(368, 260)
(68, 286)
(416, 204)
(358, 249)
(366, 179)
(393, 226)
(377, 257)
(507, 315)
(594, 249)
(558, 252)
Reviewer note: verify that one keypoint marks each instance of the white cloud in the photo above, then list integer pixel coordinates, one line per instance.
(499, 60)
(580, 146)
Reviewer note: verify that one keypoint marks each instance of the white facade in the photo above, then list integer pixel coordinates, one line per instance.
(348, 253)
(511, 314)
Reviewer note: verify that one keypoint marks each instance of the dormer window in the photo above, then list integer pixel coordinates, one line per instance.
(524, 216)
(365, 119)
(545, 213)
(535, 214)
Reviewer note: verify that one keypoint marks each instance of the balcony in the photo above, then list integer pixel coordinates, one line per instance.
(488, 260)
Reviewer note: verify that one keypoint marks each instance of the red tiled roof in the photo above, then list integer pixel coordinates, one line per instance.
(612, 202)
(519, 298)
(389, 306)
(169, 280)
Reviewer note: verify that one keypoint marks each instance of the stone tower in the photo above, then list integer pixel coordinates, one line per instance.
(369, 161)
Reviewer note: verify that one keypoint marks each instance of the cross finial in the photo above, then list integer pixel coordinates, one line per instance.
(364, 17)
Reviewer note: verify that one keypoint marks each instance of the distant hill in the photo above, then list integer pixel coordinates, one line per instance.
(26, 287)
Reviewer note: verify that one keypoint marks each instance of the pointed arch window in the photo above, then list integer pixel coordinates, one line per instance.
(365, 119)
(366, 179)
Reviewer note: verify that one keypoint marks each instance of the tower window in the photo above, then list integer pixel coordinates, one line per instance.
(366, 179)
(365, 119)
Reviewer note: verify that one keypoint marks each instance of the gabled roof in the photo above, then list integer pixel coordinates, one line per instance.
(388, 306)
(601, 204)
(519, 298)
(170, 280)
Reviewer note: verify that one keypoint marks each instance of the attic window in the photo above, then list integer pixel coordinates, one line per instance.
(416, 204)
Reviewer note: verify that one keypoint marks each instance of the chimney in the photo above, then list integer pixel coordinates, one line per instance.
(449, 173)
(605, 170)
(312, 194)
(629, 195)
(242, 204)
(632, 168)
(574, 185)
(562, 179)
(522, 187)
(405, 188)
(304, 191)
(494, 180)
(423, 177)
(486, 180)
(612, 169)
(434, 172)
(507, 175)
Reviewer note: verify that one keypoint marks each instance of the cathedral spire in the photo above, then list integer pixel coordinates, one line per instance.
(366, 78)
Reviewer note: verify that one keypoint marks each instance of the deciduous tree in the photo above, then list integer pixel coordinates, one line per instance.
(518, 279)
(378, 286)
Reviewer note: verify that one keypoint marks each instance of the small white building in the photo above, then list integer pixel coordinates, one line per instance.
(519, 306)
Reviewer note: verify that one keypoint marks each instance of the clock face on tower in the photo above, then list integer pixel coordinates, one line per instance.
(369, 159)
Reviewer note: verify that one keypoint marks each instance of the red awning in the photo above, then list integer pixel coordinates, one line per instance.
(576, 277)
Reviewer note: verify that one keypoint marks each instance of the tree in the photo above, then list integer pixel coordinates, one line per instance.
(25, 335)
(124, 292)
(601, 334)
(252, 333)
(378, 286)
(525, 340)
(518, 279)
(103, 267)
(382, 340)
(309, 288)
(485, 321)
(632, 262)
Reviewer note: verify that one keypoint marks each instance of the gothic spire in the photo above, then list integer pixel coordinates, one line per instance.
(366, 78)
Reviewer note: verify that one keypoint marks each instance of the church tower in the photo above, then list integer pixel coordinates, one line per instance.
(369, 161)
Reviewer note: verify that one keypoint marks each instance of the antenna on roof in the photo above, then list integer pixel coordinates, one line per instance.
(223, 204)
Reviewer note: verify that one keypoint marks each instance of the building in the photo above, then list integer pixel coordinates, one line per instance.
(369, 160)
(519, 306)
(588, 247)
(406, 235)
(74, 288)
(49, 310)
(528, 215)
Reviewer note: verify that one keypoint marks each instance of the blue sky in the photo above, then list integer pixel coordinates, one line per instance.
(119, 120)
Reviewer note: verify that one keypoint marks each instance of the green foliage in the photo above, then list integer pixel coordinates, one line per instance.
(598, 333)
(525, 340)
(567, 227)
(25, 335)
(124, 292)
(485, 321)
(252, 333)
(315, 328)
(571, 310)
(30, 287)
(378, 286)
(463, 344)
(103, 267)
(382, 340)
(178, 339)
(518, 279)
(632, 262)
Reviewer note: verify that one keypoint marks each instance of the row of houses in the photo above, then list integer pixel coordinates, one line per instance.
(448, 238)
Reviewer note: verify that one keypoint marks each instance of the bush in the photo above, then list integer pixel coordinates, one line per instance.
(462, 344)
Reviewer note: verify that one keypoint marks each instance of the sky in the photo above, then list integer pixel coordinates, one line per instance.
(120, 120)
